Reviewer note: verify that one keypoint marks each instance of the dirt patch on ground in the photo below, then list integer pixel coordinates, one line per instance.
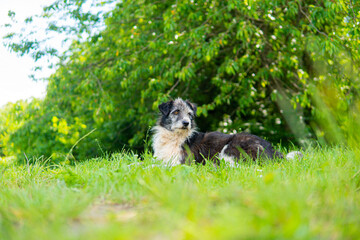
(102, 212)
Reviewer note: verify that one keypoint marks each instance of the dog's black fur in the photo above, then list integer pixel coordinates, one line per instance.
(241, 146)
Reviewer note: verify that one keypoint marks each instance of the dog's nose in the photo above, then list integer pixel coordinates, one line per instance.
(185, 123)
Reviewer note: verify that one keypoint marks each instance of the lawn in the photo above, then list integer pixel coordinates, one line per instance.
(122, 197)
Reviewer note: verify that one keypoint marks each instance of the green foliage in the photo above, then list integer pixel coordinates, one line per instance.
(12, 118)
(112, 197)
(35, 130)
(250, 65)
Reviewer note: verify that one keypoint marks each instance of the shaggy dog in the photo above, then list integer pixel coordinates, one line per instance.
(176, 140)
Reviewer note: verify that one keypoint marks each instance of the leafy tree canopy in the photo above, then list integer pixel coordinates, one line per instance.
(256, 66)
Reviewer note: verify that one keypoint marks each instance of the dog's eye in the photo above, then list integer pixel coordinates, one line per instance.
(176, 112)
(190, 114)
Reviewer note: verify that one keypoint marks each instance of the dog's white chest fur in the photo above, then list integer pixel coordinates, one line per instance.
(167, 144)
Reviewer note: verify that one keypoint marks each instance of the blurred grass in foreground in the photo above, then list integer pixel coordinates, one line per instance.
(118, 198)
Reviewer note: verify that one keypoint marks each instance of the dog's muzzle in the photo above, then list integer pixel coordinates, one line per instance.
(185, 123)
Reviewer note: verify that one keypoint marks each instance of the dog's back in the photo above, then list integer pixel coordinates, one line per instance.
(216, 145)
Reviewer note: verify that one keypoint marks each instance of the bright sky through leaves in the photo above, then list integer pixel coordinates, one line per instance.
(15, 83)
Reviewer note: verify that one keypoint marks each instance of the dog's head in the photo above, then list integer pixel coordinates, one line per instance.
(178, 115)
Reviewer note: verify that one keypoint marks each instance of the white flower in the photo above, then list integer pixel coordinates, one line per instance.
(271, 17)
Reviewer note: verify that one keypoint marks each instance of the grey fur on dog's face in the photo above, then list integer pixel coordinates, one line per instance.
(177, 115)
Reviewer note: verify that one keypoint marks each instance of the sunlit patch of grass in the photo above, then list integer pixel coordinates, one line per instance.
(123, 197)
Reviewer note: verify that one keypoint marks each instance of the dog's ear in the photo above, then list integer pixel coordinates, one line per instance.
(165, 107)
(192, 106)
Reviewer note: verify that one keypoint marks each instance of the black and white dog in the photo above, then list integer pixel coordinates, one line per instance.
(175, 139)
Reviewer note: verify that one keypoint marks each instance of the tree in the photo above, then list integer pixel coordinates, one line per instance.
(249, 65)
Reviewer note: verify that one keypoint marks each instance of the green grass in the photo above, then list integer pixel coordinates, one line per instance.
(119, 198)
